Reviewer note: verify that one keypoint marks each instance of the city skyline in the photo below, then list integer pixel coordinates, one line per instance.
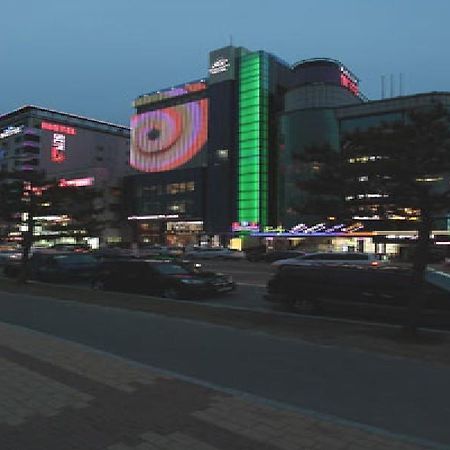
(95, 59)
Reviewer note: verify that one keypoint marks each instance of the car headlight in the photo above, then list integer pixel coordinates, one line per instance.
(192, 281)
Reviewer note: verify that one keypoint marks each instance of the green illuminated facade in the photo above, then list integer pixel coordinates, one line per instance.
(253, 138)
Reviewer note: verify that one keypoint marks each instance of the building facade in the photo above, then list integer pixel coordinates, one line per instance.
(242, 127)
(227, 124)
(75, 150)
(334, 127)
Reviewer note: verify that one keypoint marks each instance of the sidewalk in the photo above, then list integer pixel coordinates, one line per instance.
(57, 395)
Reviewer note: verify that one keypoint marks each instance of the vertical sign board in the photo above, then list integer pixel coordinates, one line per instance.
(58, 146)
(253, 138)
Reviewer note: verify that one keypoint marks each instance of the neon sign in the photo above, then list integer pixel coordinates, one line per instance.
(58, 150)
(349, 82)
(219, 65)
(245, 226)
(58, 128)
(76, 182)
(11, 131)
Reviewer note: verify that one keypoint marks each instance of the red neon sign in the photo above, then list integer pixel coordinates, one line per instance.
(350, 84)
(58, 128)
(58, 150)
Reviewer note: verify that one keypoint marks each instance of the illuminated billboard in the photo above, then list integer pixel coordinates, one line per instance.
(187, 88)
(168, 138)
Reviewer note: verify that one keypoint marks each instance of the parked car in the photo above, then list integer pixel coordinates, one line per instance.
(282, 254)
(53, 266)
(111, 253)
(306, 288)
(271, 256)
(7, 255)
(149, 251)
(62, 266)
(333, 258)
(213, 253)
(77, 248)
(161, 278)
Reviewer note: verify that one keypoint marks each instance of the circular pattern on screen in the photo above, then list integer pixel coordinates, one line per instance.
(168, 138)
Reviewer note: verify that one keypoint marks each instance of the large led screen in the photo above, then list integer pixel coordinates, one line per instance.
(167, 138)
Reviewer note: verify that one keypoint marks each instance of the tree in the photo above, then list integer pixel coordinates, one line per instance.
(398, 169)
(26, 196)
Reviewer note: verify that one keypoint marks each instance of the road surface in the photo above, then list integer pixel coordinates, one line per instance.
(394, 394)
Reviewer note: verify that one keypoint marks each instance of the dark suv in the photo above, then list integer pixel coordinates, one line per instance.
(162, 278)
(311, 288)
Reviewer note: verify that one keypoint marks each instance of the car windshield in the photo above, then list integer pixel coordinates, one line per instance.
(171, 269)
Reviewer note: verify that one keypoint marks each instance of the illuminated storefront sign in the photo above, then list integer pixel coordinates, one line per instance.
(349, 82)
(58, 150)
(245, 226)
(76, 182)
(176, 91)
(11, 131)
(58, 128)
(154, 217)
(320, 229)
(220, 65)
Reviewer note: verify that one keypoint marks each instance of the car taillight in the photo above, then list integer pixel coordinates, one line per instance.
(374, 263)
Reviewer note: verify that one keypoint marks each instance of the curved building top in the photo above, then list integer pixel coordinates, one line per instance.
(325, 70)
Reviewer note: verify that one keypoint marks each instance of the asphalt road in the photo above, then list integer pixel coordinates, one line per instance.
(394, 394)
(251, 279)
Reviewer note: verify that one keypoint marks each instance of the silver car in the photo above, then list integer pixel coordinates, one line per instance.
(334, 258)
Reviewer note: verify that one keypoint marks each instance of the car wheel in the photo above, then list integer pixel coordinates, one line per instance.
(172, 293)
(98, 285)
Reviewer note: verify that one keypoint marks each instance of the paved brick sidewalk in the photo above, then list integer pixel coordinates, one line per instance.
(57, 395)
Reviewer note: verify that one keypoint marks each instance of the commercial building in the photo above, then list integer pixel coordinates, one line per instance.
(334, 127)
(217, 156)
(226, 126)
(76, 150)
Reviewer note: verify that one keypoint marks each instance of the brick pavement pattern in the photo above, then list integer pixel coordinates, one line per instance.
(58, 395)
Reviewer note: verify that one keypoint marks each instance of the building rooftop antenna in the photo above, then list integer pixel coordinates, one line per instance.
(231, 40)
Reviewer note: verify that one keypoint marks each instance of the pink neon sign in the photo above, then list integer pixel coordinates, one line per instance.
(349, 82)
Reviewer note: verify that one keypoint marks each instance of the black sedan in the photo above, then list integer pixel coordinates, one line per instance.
(162, 278)
(54, 266)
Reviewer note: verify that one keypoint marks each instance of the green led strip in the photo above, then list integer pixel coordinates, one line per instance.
(253, 138)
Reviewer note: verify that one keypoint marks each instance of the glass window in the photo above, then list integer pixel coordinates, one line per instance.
(178, 207)
(172, 188)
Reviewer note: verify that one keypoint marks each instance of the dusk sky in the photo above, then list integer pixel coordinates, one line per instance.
(93, 57)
